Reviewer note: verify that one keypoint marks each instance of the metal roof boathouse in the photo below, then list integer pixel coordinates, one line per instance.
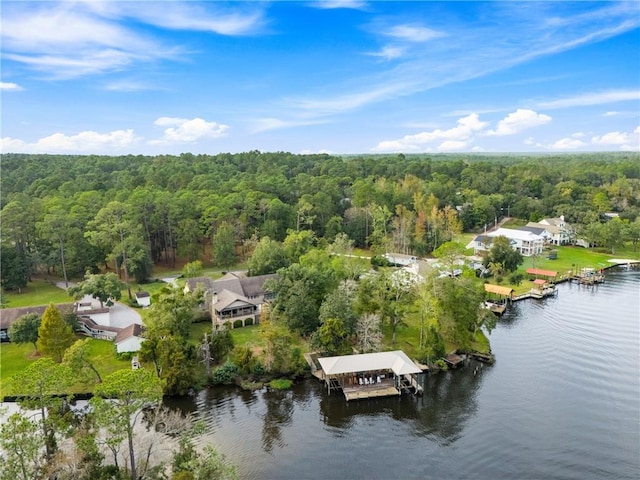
(370, 375)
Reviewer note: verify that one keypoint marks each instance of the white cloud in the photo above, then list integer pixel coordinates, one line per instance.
(411, 33)
(593, 98)
(83, 142)
(610, 114)
(613, 138)
(71, 39)
(182, 130)
(9, 86)
(236, 20)
(518, 121)
(389, 52)
(455, 138)
(567, 144)
(332, 4)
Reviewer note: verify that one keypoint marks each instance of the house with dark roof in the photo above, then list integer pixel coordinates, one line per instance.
(10, 315)
(234, 300)
(129, 339)
(198, 283)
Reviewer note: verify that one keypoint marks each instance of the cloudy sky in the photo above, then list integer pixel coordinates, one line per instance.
(336, 76)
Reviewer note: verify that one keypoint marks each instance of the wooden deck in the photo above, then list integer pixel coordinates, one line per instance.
(384, 389)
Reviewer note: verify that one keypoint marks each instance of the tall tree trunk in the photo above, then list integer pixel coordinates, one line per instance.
(64, 267)
(132, 457)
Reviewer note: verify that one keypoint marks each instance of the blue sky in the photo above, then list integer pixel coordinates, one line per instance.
(339, 76)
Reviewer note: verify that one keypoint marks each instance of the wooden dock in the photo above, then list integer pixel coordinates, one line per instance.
(453, 360)
(384, 389)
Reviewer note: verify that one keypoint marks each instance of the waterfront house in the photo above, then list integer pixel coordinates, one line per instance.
(527, 243)
(558, 231)
(235, 300)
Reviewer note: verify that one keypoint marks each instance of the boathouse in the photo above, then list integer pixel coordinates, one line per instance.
(370, 375)
(550, 275)
(504, 296)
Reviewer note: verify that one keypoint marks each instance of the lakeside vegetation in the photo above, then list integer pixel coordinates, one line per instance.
(320, 221)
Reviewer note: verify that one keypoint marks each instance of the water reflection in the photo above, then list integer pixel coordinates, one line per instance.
(280, 408)
(448, 403)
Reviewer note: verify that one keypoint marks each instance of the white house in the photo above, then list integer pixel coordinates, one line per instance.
(129, 339)
(559, 231)
(527, 243)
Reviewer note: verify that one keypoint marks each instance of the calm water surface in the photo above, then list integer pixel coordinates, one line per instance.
(561, 402)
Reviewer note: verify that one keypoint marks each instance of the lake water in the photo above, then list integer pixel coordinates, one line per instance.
(561, 402)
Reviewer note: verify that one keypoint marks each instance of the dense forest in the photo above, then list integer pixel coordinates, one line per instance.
(74, 213)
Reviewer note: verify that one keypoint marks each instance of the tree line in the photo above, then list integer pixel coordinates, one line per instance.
(72, 214)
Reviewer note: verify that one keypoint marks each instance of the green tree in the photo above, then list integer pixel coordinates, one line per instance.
(22, 444)
(119, 403)
(340, 304)
(38, 387)
(192, 269)
(78, 359)
(105, 287)
(115, 229)
(502, 253)
(332, 338)
(188, 235)
(388, 293)
(54, 334)
(268, 257)
(224, 246)
(25, 329)
(57, 225)
(14, 269)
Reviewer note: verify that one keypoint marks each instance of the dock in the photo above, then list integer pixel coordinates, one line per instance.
(453, 360)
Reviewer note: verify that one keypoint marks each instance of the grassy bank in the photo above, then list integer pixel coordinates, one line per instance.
(16, 357)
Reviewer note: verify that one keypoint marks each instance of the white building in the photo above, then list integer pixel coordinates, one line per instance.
(527, 243)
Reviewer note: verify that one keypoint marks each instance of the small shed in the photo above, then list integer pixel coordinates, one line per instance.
(143, 299)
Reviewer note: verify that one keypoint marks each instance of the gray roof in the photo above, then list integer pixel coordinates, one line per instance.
(204, 283)
(242, 285)
(397, 361)
(227, 298)
(532, 229)
(10, 315)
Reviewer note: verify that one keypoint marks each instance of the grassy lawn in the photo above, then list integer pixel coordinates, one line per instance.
(13, 358)
(16, 357)
(38, 292)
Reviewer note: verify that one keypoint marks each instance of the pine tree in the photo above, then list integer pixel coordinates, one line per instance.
(54, 334)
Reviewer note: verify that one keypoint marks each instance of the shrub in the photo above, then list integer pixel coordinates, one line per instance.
(280, 384)
(224, 374)
(516, 278)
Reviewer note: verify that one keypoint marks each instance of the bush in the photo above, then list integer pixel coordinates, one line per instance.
(516, 278)
(440, 364)
(225, 374)
(379, 261)
(280, 384)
